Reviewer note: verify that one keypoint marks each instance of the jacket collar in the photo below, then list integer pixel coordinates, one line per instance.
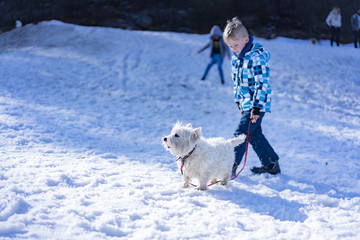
(246, 48)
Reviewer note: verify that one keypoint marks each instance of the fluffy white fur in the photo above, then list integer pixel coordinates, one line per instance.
(212, 158)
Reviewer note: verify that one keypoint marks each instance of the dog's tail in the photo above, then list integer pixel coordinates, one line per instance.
(236, 141)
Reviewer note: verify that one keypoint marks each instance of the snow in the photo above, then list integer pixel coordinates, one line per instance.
(83, 111)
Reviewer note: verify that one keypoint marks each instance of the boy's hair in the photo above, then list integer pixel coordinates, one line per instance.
(235, 29)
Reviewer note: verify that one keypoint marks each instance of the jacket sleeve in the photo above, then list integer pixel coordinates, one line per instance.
(261, 73)
(205, 47)
(235, 77)
(353, 22)
(328, 20)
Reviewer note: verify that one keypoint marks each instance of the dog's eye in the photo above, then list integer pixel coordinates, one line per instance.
(177, 135)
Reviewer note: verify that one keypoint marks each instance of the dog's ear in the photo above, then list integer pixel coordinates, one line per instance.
(196, 134)
(189, 125)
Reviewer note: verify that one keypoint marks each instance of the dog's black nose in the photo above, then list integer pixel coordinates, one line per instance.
(165, 139)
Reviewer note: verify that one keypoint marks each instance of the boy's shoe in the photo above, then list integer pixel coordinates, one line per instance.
(203, 78)
(272, 168)
(222, 81)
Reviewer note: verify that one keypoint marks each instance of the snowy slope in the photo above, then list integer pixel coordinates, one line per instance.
(83, 110)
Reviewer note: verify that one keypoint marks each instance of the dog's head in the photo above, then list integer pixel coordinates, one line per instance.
(182, 139)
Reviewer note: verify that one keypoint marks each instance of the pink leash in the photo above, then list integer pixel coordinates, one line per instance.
(246, 151)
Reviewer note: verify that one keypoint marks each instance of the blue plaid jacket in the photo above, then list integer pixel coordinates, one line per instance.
(250, 74)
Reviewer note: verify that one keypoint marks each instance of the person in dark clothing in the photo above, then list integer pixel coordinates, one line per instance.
(355, 26)
(218, 51)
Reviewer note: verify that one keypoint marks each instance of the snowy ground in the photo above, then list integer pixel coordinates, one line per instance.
(83, 111)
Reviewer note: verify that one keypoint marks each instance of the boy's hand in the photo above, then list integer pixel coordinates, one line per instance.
(254, 115)
(254, 118)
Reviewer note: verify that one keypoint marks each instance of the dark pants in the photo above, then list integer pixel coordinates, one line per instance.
(335, 35)
(257, 139)
(356, 38)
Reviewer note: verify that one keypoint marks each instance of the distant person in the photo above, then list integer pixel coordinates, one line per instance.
(333, 20)
(218, 51)
(355, 26)
(252, 93)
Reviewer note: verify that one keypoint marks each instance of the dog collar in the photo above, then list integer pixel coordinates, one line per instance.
(184, 158)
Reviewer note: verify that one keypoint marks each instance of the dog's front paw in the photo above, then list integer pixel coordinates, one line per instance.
(202, 188)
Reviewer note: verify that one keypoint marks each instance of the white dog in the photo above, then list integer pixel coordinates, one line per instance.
(201, 158)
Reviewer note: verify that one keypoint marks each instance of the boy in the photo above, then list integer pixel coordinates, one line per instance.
(252, 93)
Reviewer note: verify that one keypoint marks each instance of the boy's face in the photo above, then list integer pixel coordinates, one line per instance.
(237, 44)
